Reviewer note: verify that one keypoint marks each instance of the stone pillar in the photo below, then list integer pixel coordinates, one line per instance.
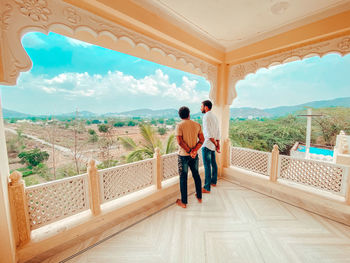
(94, 188)
(19, 209)
(226, 152)
(7, 240)
(158, 169)
(222, 112)
(347, 193)
(274, 163)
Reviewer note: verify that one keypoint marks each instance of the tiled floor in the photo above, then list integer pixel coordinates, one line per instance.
(233, 224)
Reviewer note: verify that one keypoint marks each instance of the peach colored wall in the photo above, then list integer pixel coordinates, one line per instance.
(7, 244)
(331, 27)
(133, 16)
(1, 68)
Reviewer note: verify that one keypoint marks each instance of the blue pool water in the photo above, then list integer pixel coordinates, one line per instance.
(315, 150)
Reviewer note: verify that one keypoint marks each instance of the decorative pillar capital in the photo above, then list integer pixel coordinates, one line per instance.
(19, 209)
(16, 178)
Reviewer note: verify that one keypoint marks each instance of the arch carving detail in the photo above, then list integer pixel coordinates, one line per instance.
(340, 45)
(18, 17)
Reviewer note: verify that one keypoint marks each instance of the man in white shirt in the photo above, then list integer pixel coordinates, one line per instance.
(211, 144)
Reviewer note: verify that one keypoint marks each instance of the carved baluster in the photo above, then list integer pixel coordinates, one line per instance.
(347, 193)
(94, 188)
(158, 169)
(274, 163)
(19, 209)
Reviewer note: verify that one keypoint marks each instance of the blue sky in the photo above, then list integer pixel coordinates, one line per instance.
(69, 74)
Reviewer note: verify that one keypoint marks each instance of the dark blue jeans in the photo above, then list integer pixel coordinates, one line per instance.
(210, 167)
(183, 163)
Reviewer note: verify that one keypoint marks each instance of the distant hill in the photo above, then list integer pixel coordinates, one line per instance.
(247, 112)
(244, 112)
(166, 113)
(14, 114)
(285, 110)
(81, 114)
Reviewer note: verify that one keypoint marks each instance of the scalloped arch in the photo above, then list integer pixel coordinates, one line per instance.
(74, 22)
(340, 46)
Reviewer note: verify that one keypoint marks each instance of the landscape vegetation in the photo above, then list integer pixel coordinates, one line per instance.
(46, 148)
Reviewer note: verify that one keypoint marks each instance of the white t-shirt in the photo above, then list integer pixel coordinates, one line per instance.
(210, 130)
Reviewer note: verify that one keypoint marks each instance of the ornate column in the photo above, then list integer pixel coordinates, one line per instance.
(222, 110)
(19, 209)
(7, 242)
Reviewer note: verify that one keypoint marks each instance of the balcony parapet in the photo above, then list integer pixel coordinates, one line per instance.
(58, 212)
(317, 186)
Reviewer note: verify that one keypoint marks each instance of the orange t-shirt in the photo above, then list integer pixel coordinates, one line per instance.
(189, 130)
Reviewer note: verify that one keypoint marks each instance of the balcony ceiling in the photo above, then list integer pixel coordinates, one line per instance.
(230, 24)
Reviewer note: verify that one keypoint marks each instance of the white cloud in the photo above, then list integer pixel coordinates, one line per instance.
(48, 90)
(155, 89)
(34, 40)
(77, 43)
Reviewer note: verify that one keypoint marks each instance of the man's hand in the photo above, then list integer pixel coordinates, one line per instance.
(217, 146)
(193, 154)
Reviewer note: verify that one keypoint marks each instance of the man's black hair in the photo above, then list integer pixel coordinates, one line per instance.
(208, 104)
(184, 112)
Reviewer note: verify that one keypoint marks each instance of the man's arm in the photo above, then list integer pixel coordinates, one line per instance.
(216, 143)
(198, 145)
(182, 144)
(210, 127)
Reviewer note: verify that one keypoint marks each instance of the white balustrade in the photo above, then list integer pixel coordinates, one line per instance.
(252, 160)
(170, 165)
(53, 201)
(322, 175)
(125, 179)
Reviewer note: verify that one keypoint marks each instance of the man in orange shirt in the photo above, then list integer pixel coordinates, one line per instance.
(190, 138)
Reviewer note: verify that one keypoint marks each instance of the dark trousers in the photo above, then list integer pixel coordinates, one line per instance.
(210, 167)
(183, 163)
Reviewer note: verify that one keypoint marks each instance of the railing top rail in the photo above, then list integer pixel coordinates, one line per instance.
(75, 177)
(168, 155)
(124, 165)
(314, 161)
(250, 150)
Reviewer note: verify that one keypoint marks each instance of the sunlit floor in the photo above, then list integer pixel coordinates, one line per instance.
(233, 224)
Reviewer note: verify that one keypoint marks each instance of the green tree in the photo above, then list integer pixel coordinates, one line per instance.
(119, 124)
(132, 123)
(33, 157)
(262, 135)
(170, 121)
(95, 122)
(91, 131)
(93, 136)
(103, 128)
(148, 145)
(161, 130)
(331, 123)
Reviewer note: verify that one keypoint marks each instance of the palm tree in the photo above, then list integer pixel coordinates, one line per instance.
(148, 146)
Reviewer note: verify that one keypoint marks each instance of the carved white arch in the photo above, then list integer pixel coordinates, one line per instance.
(340, 45)
(19, 17)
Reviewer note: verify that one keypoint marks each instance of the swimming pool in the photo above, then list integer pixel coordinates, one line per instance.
(315, 150)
